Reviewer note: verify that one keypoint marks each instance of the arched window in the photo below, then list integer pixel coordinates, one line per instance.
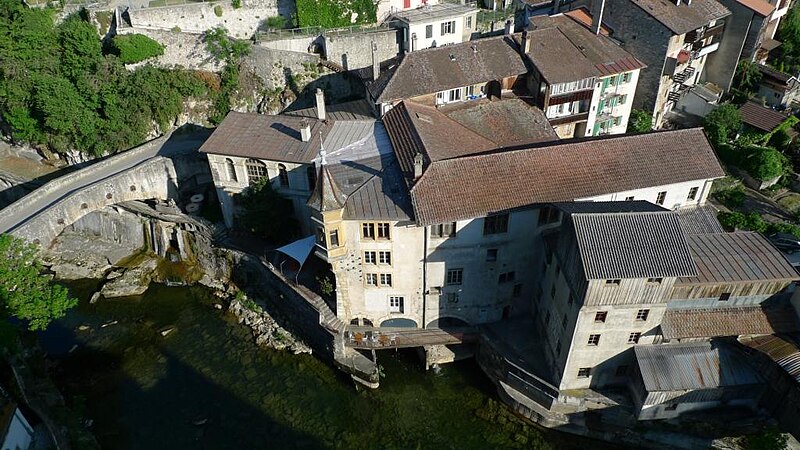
(256, 170)
(283, 175)
(311, 173)
(230, 169)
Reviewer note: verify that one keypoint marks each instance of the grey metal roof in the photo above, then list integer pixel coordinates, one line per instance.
(737, 257)
(700, 220)
(608, 207)
(433, 13)
(783, 349)
(354, 110)
(693, 365)
(632, 245)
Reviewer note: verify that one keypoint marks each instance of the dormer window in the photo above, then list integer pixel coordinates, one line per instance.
(283, 175)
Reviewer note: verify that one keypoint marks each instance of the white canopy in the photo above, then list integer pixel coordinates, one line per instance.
(299, 250)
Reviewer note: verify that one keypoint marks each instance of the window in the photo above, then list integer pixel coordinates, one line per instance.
(396, 304)
(334, 238)
(448, 27)
(622, 370)
(692, 193)
(614, 282)
(452, 297)
(623, 99)
(368, 230)
(428, 31)
(491, 254)
(495, 224)
(642, 314)
(584, 372)
(386, 279)
(369, 258)
(724, 297)
(655, 280)
(455, 276)
(385, 257)
(283, 175)
(633, 338)
(230, 169)
(311, 175)
(629, 199)
(256, 170)
(383, 230)
(468, 22)
(600, 316)
(444, 230)
(594, 339)
(321, 236)
(454, 95)
(517, 291)
(469, 91)
(661, 197)
(506, 277)
(626, 77)
(371, 279)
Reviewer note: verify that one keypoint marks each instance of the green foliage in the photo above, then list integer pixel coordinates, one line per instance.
(747, 76)
(267, 213)
(765, 163)
(723, 123)
(134, 48)
(25, 293)
(326, 286)
(788, 56)
(741, 221)
(640, 121)
(236, 4)
(335, 13)
(274, 22)
(733, 197)
(769, 439)
(223, 48)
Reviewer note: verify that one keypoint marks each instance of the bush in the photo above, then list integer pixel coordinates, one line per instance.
(218, 11)
(335, 13)
(274, 22)
(769, 439)
(134, 48)
(732, 198)
(740, 221)
(236, 4)
(267, 213)
(765, 163)
(640, 122)
(723, 123)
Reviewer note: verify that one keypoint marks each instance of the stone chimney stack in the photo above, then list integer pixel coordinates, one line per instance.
(305, 131)
(598, 8)
(417, 165)
(526, 42)
(320, 104)
(413, 42)
(509, 28)
(376, 64)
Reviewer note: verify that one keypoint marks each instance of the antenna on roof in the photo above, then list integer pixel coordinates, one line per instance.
(322, 152)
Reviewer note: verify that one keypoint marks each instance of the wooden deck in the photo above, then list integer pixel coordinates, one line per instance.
(372, 338)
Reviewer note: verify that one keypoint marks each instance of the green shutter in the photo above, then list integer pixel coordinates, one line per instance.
(596, 129)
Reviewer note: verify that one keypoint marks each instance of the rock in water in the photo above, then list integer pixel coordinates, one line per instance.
(95, 297)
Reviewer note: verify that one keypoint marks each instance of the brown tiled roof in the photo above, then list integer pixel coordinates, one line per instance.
(762, 7)
(474, 186)
(775, 74)
(437, 69)
(264, 136)
(737, 257)
(505, 122)
(761, 117)
(563, 50)
(584, 17)
(682, 18)
(733, 321)
(632, 245)
(415, 128)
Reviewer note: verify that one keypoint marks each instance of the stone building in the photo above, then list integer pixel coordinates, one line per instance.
(673, 38)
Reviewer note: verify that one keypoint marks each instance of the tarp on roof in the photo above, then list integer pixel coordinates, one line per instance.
(299, 250)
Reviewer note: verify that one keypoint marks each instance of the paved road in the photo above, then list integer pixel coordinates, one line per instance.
(39, 200)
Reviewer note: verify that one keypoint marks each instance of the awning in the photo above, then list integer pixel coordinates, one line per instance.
(299, 250)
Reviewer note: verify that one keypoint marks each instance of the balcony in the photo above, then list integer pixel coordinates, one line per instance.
(579, 117)
(684, 75)
(696, 36)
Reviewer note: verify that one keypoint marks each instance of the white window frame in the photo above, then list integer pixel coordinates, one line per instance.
(385, 257)
(396, 303)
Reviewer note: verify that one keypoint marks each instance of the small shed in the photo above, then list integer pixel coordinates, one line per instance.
(671, 379)
(760, 117)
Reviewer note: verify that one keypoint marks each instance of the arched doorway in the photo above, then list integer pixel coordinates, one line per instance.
(399, 323)
(447, 322)
(493, 89)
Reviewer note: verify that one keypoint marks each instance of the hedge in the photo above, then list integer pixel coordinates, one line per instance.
(134, 48)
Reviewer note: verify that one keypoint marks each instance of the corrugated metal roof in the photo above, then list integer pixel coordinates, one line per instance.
(608, 207)
(632, 245)
(431, 13)
(693, 365)
(783, 349)
(699, 220)
(355, 110)
(737, 257)
(731, 321)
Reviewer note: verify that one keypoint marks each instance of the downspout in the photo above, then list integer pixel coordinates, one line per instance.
(424, 274)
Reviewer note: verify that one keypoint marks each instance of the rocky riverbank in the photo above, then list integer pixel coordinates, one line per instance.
(266, 330)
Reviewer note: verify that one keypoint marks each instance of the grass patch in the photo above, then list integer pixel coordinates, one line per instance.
(790, 202)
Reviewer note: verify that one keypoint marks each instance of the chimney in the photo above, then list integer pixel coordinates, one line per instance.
(320, 104)
(305, 131)
(598, 8)
(417, 165)
(526, 42)
(509, 28)
(413, 42)
(376, 65)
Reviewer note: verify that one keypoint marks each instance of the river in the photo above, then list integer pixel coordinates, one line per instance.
(207, 385)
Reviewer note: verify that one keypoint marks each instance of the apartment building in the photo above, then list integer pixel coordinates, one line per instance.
(434, 25)
(584, 82)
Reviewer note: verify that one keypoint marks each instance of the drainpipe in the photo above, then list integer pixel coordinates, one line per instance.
(424, 275)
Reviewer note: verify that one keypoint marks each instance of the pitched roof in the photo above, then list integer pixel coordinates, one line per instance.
(327, 195)
(354, 110)
(563, 50)
(632, 245)
(437, 69)
(775, 74)
(432, 13)
(693, 365)
(737, 257)
(699, 220)
(505, 122)
(784, 350)
(761, 117)
(731, 321)
(265, 136)
(584, 17)
(682, 18)
(761, 7)
(608, 207)
(562, 171)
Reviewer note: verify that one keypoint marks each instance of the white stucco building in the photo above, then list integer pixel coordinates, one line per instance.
(435, 25)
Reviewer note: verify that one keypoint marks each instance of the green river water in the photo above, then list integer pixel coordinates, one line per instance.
(207, 385)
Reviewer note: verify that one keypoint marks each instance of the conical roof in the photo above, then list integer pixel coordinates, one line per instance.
(327, 195)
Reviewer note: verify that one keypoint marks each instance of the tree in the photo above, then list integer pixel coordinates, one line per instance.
(723, 123)
(25, 293)
(769, 439)
(748, 76)
(134, 48)
(640, 122)
(765, 163)
(267, 213)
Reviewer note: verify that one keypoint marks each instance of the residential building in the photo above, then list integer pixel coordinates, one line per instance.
(388, 7)
(778, 89)
(437, 76)
(761, 118)
(585, 83)
(435, 25)
(673, 39)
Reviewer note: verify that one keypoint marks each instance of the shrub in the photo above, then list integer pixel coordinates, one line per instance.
(740, 221)
(723, 123)
(236, 4)
(640, 121)
(267, 213)
(275, 22)
(334, 13)
(765, 163)
(218, 11)
(732, 198)
(134, 48)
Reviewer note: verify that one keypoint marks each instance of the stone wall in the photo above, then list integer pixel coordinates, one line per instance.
(180, 49)
(354, 50)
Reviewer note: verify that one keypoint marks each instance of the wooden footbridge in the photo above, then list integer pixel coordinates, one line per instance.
(373, 338)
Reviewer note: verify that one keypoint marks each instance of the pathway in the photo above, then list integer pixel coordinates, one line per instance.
(373, 338)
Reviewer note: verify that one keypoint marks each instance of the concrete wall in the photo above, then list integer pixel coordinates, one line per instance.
(461, 32)
(354, 50)
(677, 194)
(741, 26)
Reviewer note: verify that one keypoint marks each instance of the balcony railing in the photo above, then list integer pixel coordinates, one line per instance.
(579, 117)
